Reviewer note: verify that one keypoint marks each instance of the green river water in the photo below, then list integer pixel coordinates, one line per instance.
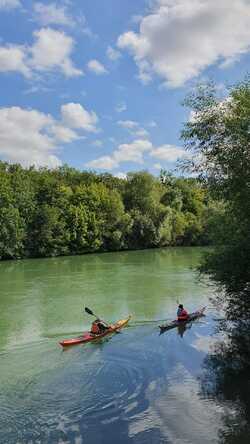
(134, 387)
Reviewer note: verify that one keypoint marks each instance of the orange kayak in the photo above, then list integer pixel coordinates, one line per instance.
(88, 337)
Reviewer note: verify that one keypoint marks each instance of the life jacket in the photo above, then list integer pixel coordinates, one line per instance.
(183, 316)
(95, 328)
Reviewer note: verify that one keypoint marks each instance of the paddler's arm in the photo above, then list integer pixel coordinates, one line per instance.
(105, 323)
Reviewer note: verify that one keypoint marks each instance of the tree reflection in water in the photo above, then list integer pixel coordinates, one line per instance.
(227, 380)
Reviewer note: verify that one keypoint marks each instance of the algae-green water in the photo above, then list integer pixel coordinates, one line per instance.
(133, 387)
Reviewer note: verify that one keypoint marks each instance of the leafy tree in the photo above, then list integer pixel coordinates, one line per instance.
(172, 198)
(192, 195)
(12, 224)
(12, 233)
(64, 211)
(48, 233)
(218, 137)
(84, 230)
(143, 231)
(139, 191)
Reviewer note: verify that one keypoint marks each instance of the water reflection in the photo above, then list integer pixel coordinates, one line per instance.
(227, 379)
(181, 328)
(136, 387)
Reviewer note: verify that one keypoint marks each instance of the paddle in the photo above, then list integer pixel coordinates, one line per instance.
(90, 312)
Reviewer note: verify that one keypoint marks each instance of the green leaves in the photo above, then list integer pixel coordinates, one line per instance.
(64, 211)
(12, 233)
(219, 136)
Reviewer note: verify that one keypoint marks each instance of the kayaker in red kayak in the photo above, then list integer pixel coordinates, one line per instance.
(98, 327)
(182, 314)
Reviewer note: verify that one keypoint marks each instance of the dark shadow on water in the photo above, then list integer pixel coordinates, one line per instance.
(227, 380)
(181, 329)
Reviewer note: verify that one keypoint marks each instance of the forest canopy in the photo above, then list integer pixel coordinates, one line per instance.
(64, 211)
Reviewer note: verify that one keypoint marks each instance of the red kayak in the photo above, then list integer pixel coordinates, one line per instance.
(88, 337)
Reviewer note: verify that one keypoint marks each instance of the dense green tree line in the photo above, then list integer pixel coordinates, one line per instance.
(64, 211)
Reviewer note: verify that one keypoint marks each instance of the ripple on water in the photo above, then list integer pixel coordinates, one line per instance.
(96, 390)
(101, 384)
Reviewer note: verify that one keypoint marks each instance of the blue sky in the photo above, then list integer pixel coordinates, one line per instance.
(99, 84)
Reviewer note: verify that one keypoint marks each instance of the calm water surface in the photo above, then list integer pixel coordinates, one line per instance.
(134, 387)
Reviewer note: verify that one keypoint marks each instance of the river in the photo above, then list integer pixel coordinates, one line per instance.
(135, 387)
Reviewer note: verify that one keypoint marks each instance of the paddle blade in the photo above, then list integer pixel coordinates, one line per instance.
(89, 311)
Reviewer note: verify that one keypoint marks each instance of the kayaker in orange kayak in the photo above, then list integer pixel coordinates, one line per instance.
(98, 327)
(182, 314)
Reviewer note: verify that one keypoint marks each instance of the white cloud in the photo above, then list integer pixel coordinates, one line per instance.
(113, 54)
(141, 132)
(126, 152)
(128, 124)
(133, 151)
(9, 4)
(64, 134)
(53, 14)
(121, 107)
(13, 58)
(31, 137)
(48, 14)
(38, 88)
(84, 28)
(120, 175)
(75, 115)
(178, 39)
(96, 67)
(104, 162)
(169, 153)
(24, 137)
(133, 127)
(52, 50)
